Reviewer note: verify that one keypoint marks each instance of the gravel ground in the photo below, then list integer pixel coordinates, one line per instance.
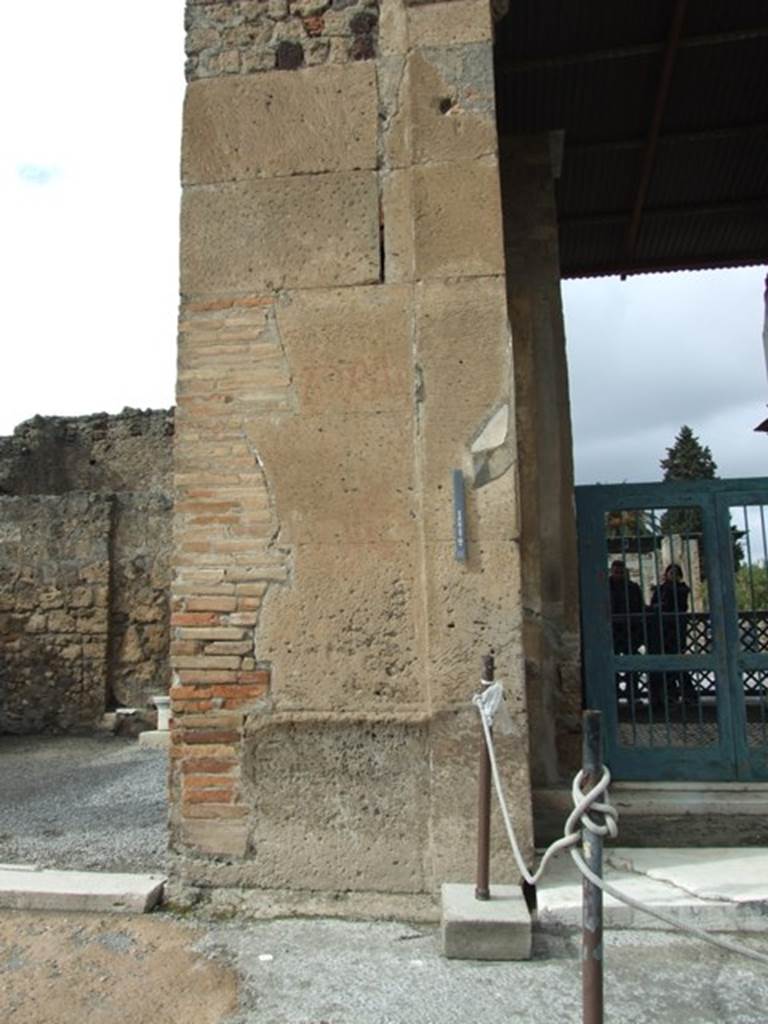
(342, 972)
(96, 803)
(100, 803)
(143, 969)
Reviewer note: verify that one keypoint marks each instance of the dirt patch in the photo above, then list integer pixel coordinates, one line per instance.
(67, 968)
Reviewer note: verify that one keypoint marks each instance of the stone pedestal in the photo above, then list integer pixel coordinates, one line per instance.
(494, 929)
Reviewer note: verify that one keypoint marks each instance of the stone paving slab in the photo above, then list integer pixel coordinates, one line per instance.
(716, 873)
(26, 887)
(715, 889)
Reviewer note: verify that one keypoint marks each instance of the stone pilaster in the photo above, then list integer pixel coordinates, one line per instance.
(548, 530)
(344, 347)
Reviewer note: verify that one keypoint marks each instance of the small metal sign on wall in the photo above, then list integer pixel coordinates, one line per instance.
(459, 517)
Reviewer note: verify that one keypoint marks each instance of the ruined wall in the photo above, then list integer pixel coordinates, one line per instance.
(139, 619)
(344, 346)
(244, 36)
(548, 526)
(121, 464)
(54, 585)
(104, 454)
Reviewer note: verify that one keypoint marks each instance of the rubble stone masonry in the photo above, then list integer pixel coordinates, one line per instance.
(344, 346)
(246, 36)
(85, 538)
(54, 611)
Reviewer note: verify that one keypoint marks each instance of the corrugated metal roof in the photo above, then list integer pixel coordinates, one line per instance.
(545, 28)
(592, 68)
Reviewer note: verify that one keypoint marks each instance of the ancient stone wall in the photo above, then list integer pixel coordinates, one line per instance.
(85, 537)
(54, 610)
(104, 454)
(244, 36)
(344, 347)
(139, 637)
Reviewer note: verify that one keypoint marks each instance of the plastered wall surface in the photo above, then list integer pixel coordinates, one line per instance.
(344, 346)
(85, 540)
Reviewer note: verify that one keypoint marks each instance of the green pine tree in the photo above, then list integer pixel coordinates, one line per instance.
(687, 459)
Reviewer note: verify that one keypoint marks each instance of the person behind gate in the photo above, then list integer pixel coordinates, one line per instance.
(668, 634)
(627, 612)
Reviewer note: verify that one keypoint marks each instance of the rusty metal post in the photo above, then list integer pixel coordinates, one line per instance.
(592, 895)
(482, 887)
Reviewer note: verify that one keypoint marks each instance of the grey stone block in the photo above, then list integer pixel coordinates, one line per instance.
(156, 739)
(31, 888)
(494, 929)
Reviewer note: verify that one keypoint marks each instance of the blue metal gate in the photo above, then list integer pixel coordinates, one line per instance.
(674, 607)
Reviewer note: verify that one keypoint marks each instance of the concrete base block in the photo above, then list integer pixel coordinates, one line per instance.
(30, 888)
(494, 929)
(155, 738)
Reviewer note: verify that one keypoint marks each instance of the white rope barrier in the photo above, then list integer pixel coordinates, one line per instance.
(489, 703)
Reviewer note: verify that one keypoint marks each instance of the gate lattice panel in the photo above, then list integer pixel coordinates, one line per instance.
(674, 592)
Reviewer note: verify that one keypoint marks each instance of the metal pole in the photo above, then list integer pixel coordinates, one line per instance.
(592, 895)
(482, 889)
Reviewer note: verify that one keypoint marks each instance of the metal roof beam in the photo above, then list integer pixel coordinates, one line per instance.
(659, 107)
(701, 135)
(621, 52)
(751, 206)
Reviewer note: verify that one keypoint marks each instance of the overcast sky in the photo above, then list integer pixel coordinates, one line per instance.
(89, 205)
(89, 196)
(654, 352)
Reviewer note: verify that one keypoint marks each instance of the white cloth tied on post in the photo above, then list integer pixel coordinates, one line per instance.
(493, 706)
